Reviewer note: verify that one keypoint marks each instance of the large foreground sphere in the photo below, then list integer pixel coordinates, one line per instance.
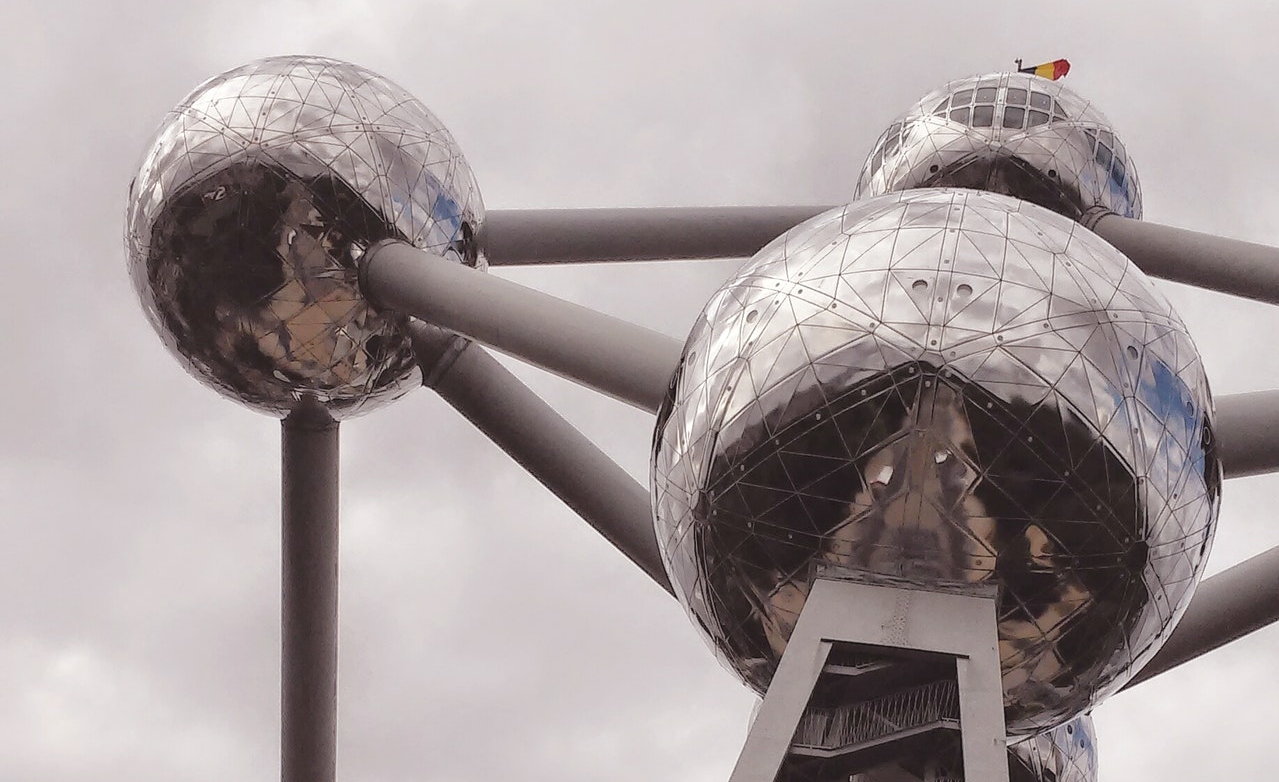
(1011, 133)
(259, 193)
(948, 387)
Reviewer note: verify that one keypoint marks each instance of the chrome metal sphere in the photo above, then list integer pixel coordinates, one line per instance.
(259, 192)
(1011, 133)
(1067, 753)
(948, 387)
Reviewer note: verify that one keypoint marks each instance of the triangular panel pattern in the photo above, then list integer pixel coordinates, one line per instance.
(948, 387)
(258, 194)
(1011, 133)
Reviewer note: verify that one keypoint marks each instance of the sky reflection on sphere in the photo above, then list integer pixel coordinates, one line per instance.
(259, 192)
(947, 387)
(1067, 753)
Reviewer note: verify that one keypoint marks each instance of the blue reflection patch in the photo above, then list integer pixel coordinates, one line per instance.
(1170, 399)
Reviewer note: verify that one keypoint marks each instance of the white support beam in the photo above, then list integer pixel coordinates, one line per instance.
(886, 617)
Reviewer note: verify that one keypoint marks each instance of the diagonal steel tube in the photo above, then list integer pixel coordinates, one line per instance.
(1248, 433)
(625, 361)
(1226, 607)
(542, 236)
(1203, 260)
(542, 442)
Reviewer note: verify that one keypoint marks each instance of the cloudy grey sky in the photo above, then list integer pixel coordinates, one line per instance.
(487, 633)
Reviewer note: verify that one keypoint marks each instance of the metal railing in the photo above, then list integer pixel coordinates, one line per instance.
(833, 729)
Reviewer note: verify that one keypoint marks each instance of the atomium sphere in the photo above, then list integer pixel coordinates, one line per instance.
(1012, 133)
(1067, 753)
(948, 387)
(259, 193)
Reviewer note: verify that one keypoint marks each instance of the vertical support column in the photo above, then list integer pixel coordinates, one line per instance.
(309, 601)
(783, 707)
(900, 622)
(981, 696)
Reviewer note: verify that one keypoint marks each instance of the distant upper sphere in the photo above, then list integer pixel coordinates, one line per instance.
(945, 387)
(259, 193)
(1011, 133)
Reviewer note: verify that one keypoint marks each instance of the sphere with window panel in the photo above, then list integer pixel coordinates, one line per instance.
(1011, 133)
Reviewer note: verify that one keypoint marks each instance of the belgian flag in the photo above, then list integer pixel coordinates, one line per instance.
(1050, 70)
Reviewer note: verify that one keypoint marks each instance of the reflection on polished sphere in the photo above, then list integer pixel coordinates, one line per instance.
(1067, 753)
(258, 194)
(948, 387)
(1011, 133)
